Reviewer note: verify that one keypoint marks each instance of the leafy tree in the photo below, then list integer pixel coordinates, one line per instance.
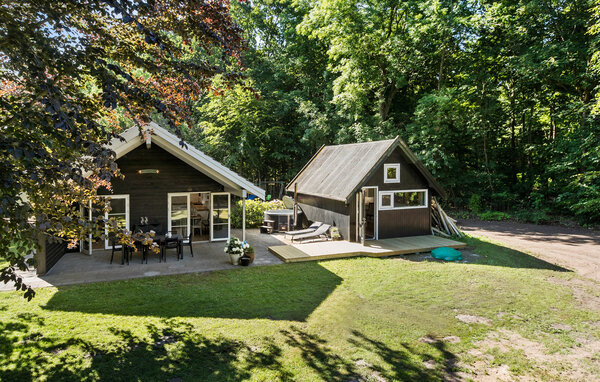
(69, 70)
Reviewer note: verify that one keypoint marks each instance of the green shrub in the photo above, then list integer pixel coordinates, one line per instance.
(535, 217)
(475, 203)
(255, 212)
(493, 215)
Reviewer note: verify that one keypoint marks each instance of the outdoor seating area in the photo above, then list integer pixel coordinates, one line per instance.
(77, 268)
(159, 245)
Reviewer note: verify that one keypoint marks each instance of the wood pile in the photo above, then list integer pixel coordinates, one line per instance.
(442, 224)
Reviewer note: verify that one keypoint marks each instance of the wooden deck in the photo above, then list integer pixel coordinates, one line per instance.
(375, 248)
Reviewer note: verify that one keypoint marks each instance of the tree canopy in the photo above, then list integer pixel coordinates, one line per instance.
(72, 72)
(498, 98)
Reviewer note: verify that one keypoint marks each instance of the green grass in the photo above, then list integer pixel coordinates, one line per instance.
(333, 320)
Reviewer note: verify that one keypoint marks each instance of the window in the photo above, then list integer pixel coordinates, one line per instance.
(391, 173)
(386, 201)
(396, 200)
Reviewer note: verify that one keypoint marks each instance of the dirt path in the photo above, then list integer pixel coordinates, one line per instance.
(573, 248)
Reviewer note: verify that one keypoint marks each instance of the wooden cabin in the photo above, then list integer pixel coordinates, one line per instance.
(381, 184)
(173, 186)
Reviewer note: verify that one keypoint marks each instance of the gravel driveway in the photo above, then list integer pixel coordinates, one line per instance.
(577, 249)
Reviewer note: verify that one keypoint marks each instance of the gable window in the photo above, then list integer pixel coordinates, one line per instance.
(402, 199)
(391, 173)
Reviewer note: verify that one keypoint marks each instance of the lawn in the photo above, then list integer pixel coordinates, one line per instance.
(507, 315)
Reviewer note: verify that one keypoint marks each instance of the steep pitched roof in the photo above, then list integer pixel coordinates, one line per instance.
(338, 172)
(189, 154)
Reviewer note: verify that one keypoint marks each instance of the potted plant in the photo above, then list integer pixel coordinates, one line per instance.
(235, 250)
(249, 252)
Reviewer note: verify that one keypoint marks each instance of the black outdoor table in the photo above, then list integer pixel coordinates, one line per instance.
(163, 240)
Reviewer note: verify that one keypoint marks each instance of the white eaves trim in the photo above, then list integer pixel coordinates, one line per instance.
(190, 155)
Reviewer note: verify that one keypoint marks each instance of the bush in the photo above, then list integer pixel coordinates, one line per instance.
(475, 203)
(255, 212)
(493, 215)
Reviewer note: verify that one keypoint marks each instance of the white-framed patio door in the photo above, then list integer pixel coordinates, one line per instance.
(369, 211)
(119, 210)
(179, 213)
(219, 217)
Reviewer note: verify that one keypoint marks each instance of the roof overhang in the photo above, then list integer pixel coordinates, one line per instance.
(154, 134)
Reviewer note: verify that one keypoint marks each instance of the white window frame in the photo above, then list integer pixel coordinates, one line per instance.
(107, 244)
(169, 222)
(391, 194)
(385, 173)
(212, 195)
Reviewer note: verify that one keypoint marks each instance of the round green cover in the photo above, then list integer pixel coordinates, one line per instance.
(446, 253)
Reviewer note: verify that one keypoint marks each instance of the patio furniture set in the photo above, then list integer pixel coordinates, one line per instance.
(165, 242)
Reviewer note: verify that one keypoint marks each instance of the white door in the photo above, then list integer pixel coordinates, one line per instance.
(219, 217)
(179, 213)
(119, 210)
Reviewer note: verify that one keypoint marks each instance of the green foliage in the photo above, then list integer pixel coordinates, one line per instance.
(475, 203)
(255, 212)
(71, 74)
(493, 215)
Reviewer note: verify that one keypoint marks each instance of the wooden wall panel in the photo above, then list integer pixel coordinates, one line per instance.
(328, 211)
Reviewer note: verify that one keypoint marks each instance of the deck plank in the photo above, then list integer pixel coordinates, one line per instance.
(376, 248)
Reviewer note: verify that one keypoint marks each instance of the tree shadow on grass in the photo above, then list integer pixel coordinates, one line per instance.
(486, 253)
(287, 292)
(174, 352)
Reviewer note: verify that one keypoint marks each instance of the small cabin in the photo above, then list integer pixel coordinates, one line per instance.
(381, 184)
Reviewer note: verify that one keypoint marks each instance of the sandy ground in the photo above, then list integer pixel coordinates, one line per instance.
(577, 249)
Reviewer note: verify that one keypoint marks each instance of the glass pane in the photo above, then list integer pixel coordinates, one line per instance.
(200, 213)
(117, 206)
(179, 212)
(220, 231)
(409, 199)
(391, 173)
(220, 211)
(180, 230)
(386, 200)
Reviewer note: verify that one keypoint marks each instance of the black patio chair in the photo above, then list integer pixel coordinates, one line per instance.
(171, 243)
(187, 242)
(124, 249)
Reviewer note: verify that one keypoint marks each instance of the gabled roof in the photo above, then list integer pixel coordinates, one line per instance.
(338, 172)
(189, 154)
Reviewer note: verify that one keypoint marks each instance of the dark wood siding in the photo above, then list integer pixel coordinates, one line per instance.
(404, 222)
(410, 177)
(327, 211)
(54, 252)
(148, 192)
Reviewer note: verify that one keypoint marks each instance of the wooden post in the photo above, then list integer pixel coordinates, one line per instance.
(40, 256)
(361, 210)
(295, 205)
(244, 195)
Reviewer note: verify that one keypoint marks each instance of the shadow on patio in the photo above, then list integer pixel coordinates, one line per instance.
(279, 292)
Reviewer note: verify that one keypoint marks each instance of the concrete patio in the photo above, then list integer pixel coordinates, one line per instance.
(77, 268)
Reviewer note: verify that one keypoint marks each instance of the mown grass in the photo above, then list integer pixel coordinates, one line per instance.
(334, 320)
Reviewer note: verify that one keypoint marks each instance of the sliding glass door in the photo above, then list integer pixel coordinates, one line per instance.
(119, 211)
(179, 213)
(219, 217)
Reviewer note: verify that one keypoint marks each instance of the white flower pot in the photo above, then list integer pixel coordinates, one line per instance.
(234, 258)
